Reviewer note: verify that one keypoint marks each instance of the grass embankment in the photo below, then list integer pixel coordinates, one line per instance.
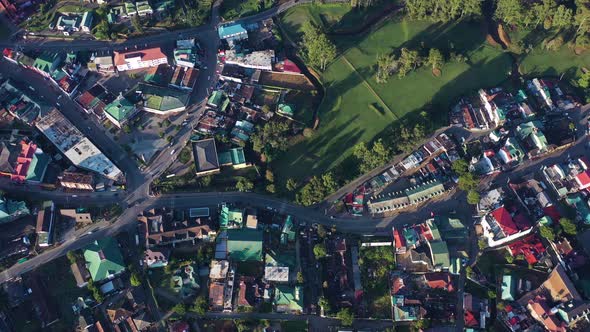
(356, 108)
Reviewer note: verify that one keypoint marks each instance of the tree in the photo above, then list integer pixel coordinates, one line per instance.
(408, 60)
(346, 317)
(135, 279)
(568, 226)
(270, 177)
(265, 109)
(317, 189)
(102, 30)
(491, 294)
(291, 184)
(377, 156)
(321, 231)
(300, 279)
(443, 10)
(481, 244)
(510, 11)
(200, 306)
(244, 184)
(318, 49)
(385, 65)
(421, 325)
(468, 182)
(472, 197)
(179, 309)
(325, 304)
(508, 257)
(547, 233)
(72, 257)
(272, 139)
(319, 250)
(271, 188)
(562, 17)
(584, 81)
(136, 22)
(460, 167)
(435, 58)
(307, 132)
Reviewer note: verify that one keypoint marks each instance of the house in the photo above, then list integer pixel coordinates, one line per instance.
(439, 280)
(138, 59)
(230, 217)
(184, 78)
(288, 231)
(409, 196)
(507, 288)
(288, 299)
(171, 227)
(68, 23)
(251, 219)
(234, 157)
(46, 219)
(102, 63)
(81, 273)
(185, 54)
(261, 60)
(244, 245)
(46, 63)
(287, 110)
(127, 312)
(77, 181)
(218, 270)
(143, 8)
(156, 258)
(232, 32)
(567, 177)
(12, 210)
(216, 295)
(163, 100)
(86, 24)
(205, 156)
(532, 138)
(29, 165)
(103, 259)
(120, 111)
(511, 153)
(279, 267)
(130, 9)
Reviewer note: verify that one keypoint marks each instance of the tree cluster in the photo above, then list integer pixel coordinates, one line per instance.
(443, 10)
(272, 139)
(531, 14)
(363, 3)
(408, 60)
(467, 181)
(378, 155)
(317, 47)
(317, 189)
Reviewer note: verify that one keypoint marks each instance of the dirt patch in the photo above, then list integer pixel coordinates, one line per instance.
(287, 81)
(503, 35)
(492, 41)
(579, 50)
(436, 72)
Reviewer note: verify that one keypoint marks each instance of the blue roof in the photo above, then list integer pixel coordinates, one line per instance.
(231, 30)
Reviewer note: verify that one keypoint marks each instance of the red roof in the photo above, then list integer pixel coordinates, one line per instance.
(583, 179)
(504, 219)
(470, 319)
(146, 55)
(397, 285)
(290, 66)
(399, 241)
(522, 221)
(531, 247)
(439, 280)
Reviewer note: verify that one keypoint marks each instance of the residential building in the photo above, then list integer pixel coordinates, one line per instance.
(103, 259)
(86, 24)
(244, 245)
(46, 63)
(138, 59)
(288, 299)
(288, 231)
(95, 100)
(130, 9)
(11, 210)
(185, 54)
(68, 23)
(507, 288)
(172, 227)
(81, 273)
(231, 217)
(205, 156)
(216, 296)
(511, 153)
(79, 216)
(232, 32)
(27, 166)
(156, 258)
(234, 157)
(567, 177)
(77, 181)
(75, 146)
(143, 8)
(287, 110)
(163, 100)
(102, 63)
(184, 78)
(46, 219)
(501, 225)
(409, 196)
(532, 138)
(120, 111)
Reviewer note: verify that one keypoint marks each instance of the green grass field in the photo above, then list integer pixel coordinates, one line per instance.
(346, 116)
(232, 9)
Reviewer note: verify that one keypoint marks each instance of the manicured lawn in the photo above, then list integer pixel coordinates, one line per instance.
(554, 63)
(232, 9)
(346, 116)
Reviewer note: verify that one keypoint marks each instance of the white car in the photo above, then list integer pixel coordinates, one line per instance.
(172, 152)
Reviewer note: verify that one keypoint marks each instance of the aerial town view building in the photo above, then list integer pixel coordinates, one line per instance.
(295, 165)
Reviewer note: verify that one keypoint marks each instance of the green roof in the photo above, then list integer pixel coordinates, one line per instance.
(424, 191)
(120, 109)
(234, 156)
(244, 244)
(164, 5)
(103, 258)
(215, 98)
(286, 109)
(231, 30)
(434, 231)
(45, 61)
(10, 208)
(532, 129)
(230, 216)
(288, 232)
(451, 227)
(440, 254)
(292, 297)
(37, 167)
(582, 209)
(162, 98)
(285, 258)
(545, 220)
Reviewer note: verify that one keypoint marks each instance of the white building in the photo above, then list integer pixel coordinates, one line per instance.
(139, 59)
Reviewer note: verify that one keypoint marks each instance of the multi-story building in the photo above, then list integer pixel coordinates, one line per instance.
(139, 59)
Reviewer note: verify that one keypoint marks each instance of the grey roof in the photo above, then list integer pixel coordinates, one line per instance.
(205, 155)
(8, 157)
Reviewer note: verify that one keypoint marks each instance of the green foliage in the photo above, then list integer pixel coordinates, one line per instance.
(272, 139)
(200, 306)
(408, 61)
(319, 250)
(185, 155)
(533, 14)
(491, 294)
(435, 58)
(127, 129)
(169, 138)
(135, 279)
(385, 65)
(468, 182)
(72, 257)
(508, 257)
(270, 177)
(137, 25)
(244, 184)
(318, 49)
(271, 188)
(291, 184)
(98, 297)
(316, 189)
(547, 232)
(179, 309)
(321, 231)
(324, 303)
(346, 317)
(460, 167)
(568, 226)
(472, 197)
(443, 10)
(481, 244)
(265, 109)
(584, 80)
(421, 325)
(103, 31)
(377, 156)
(300, 278)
